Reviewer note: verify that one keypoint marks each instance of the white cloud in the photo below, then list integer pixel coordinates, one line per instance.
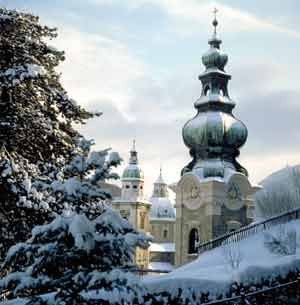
(98, 68)
(153, 111)
(199, 13)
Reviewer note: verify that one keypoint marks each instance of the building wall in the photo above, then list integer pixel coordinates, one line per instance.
(168, 257)
(163, 231)
(137, 213)
(210, 209)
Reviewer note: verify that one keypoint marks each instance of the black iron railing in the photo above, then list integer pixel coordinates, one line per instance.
(251, 229)
(284, 294)
(140, 271)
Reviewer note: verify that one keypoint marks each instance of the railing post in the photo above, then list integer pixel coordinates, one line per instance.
(243, 300)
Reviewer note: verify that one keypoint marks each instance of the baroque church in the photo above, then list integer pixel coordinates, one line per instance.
(213, 195)
(155, 216)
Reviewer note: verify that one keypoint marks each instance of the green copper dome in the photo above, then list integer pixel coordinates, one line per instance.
(133, 171)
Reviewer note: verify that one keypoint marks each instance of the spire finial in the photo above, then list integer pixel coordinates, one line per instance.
(133, 154)
(215, 41)
(215, 21)
(160, 170)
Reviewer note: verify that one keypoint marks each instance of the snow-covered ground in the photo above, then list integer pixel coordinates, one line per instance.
(212, 271)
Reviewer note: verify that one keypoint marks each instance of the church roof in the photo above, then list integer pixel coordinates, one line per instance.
(133, 172)
(162, 207)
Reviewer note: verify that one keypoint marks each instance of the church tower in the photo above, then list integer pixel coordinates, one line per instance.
(214, 195)
(133, 179)
(162, 221)
(132, 204)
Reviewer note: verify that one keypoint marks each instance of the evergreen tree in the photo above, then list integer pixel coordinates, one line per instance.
(74, 260)
(36, 114)
(37, 137)
(76, 185)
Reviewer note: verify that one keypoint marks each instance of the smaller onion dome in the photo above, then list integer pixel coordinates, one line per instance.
(214, 57)
(133, 171)
(161, 205)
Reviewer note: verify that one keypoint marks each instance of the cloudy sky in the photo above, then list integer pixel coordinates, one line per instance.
(138, 61)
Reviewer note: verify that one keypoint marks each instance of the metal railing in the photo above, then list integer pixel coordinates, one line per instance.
(264, 296)
(149, 271)
(251, 229)
(142, 272)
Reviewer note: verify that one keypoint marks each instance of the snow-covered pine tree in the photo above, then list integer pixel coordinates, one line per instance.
(74, 260)
(36, 114)
(37, 137)
(76, 186)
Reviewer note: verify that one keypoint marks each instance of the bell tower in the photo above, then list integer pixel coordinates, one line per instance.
(133, 178)
(132, 204)
(214, 194)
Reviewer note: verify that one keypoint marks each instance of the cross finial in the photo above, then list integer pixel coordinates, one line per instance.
(215, 21)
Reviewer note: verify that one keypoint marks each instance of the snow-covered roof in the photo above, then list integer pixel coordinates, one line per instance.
(162, 247)
(161, 266)
(212, 271)
(161, 208)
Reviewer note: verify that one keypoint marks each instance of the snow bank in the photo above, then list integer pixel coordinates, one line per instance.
(212, 271)
(162, 247)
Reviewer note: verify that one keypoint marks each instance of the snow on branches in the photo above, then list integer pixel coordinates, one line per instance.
(41, 191)
(74, 260)
(77, 183)
(36, 113)
(37, 138)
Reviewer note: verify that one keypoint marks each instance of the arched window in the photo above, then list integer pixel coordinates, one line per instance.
(165, 233)
(193, 241)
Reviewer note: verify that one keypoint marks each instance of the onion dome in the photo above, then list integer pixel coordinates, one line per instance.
(161, 205)
(214, 136)
(133, 171)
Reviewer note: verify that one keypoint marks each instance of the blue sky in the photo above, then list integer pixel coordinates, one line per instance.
(138, 62)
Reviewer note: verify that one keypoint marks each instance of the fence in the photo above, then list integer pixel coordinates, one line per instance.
(251, 229)
(143, 272)
(284, 294)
